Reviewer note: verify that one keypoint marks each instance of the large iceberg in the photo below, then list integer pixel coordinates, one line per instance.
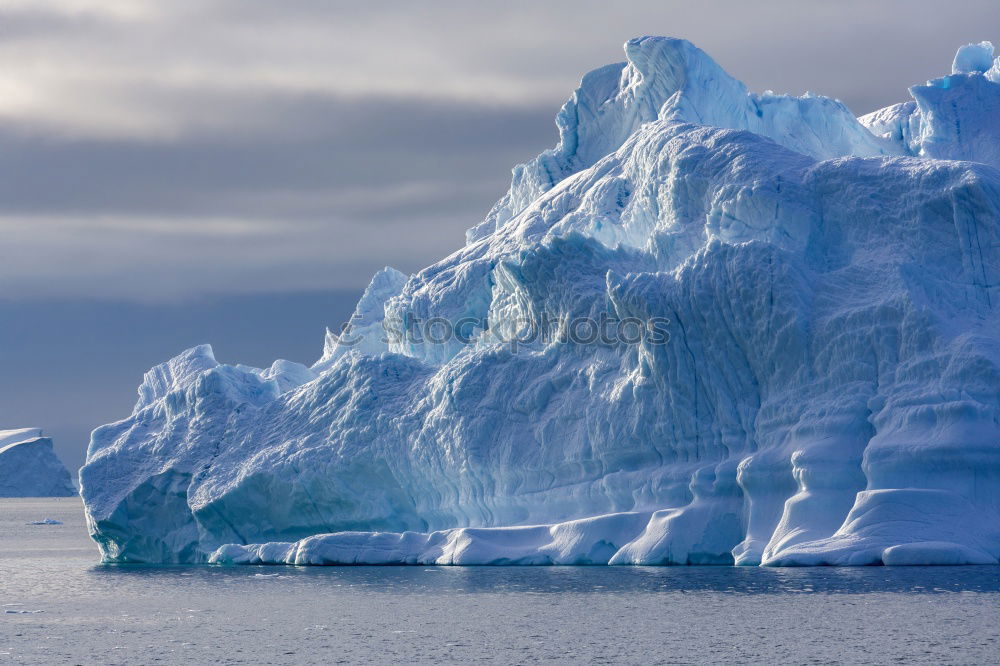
(823, 384)
(29, 467)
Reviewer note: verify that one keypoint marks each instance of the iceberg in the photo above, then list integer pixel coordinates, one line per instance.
(811, 376)
(29, 467)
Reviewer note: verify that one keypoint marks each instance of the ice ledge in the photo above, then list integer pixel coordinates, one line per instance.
(634, 538)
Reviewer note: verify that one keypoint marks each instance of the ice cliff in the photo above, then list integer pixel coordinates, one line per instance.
(827, 390)
(29, 467)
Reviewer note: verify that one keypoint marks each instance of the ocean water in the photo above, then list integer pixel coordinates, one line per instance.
(59, 605)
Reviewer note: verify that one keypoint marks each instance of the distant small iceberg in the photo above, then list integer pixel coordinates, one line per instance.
(29, 467)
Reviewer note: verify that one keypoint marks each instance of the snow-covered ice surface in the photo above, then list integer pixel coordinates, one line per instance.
(29, 467)
(829, 394)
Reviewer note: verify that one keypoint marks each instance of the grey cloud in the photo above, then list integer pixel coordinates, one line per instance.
(169, 259)
(333, 152)
(335, 189)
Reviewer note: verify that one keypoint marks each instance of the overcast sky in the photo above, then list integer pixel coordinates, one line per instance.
(154, 154)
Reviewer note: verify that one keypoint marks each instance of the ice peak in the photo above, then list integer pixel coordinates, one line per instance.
(652, 57)
(667, 61)
(167, 377)
(672, 80)
(973, 59)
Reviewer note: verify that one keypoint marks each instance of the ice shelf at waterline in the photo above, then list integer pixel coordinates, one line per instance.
(829, 394)
(29, 467)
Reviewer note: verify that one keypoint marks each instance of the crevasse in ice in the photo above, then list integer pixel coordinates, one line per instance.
(829, 392)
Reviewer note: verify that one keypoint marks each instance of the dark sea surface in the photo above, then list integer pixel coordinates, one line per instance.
(58, 605)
